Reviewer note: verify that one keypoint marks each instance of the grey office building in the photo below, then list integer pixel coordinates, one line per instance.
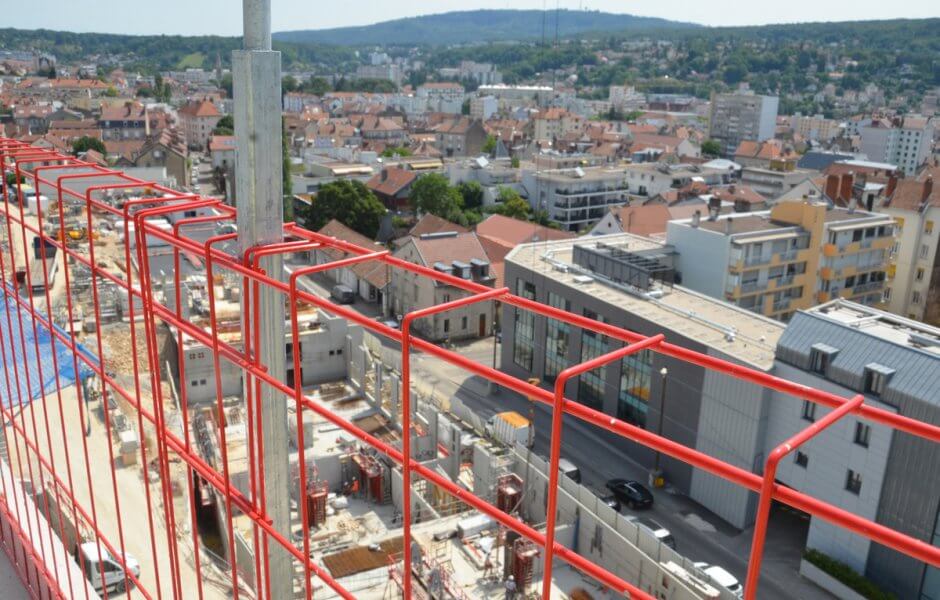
(845, 348)
(626, 280)
(737, 117)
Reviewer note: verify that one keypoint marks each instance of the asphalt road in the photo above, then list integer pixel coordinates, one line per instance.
(700, 535)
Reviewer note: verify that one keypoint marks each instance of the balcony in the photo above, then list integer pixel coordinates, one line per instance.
(788, 256)
(750, 261)
(868, 287)
(753, 286)
(830, 250)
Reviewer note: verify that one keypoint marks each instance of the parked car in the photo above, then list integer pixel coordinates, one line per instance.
(655, 529)
(611, 501)
(632, 493)
(343, 294)
(93, 563)
(719, 576)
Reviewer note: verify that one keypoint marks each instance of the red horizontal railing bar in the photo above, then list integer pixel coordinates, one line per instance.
(874, 531)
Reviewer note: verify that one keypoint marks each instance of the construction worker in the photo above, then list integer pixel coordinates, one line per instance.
(510, 589)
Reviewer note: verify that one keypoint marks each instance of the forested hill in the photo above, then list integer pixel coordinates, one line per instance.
(482, 26)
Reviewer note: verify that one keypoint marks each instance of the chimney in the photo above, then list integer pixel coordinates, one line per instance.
(696, 218)
(729, 226)
(846, 191)
(928, 188)
(892, 184)
(832, 187)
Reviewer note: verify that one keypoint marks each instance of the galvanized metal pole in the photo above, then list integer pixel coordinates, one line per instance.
(256, 73)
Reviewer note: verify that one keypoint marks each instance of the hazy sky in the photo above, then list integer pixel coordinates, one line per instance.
(223, 17)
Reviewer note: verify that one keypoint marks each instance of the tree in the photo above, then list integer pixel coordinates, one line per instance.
(514, 162)
(316, 85)
(489, 146)
(512, 205)
(111, 92)
(472, 194)
(227, 84)
(85, 143)
(465, 107)
(433, 194)
(348, 201)
(711, 148)
(289, 84)
(396, 151)
(225, 126)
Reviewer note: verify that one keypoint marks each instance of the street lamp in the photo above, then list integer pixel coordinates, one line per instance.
(656, 474)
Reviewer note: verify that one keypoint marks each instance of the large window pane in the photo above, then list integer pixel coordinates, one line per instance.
(557, 336)
(633, 400)
(524, 330)
(591, 388)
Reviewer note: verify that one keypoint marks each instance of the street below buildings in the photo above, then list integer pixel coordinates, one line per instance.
(700, 535)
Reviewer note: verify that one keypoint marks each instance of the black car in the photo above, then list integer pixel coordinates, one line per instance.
(611, 501)
(632, 493)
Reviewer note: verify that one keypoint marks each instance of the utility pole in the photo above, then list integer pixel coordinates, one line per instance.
(656, 475)
(256, 74)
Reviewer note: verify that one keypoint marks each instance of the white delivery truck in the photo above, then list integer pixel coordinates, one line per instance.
(93, 563)
(509, 428)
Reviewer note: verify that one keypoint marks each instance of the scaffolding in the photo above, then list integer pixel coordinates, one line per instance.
(78, 184)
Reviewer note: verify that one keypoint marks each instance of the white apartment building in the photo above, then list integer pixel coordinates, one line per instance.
(906, 143)
(737, 117)
(483, 107)
(575, 198)
(652, 179)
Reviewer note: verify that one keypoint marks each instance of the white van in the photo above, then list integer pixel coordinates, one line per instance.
(92, 563)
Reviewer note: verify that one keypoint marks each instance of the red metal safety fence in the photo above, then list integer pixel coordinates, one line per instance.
(40, 423)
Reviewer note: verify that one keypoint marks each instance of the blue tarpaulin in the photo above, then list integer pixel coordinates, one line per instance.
(18, 366)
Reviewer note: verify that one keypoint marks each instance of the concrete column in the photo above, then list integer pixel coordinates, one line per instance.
(256, 74)
(396, 398)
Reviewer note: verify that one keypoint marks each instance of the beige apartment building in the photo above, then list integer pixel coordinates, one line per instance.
(913, 288)
(792, 257)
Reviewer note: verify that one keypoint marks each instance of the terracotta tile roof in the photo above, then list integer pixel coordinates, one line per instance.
(123, 147)
(129, 111)
(201, 108)
(93, 156)
(374, 272)
(55, 142)
(390, 181)
(644, 219)
(769, 150)
(221, 143)
(738, 193)
(434, 224)
(912, 195)
(462, 246)
(514, 232)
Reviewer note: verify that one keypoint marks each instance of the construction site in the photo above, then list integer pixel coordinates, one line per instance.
(183, 417)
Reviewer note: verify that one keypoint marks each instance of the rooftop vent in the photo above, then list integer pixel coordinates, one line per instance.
(924, 341)
(438, 235)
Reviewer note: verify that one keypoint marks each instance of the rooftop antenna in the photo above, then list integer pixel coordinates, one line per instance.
(256, 76)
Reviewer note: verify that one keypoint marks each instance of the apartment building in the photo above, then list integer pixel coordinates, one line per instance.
(130, 121)
(868, 469)
(554, 123)
(388, 71)
(737, 117)
(443, 96)
(776, 180)
(454, 253)
(197, 120)
(575, 198)
(788, 258)
(653, 179)
(913, 288)
(627, 280)
(816, 127)
(903, 142)
(483, 107)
